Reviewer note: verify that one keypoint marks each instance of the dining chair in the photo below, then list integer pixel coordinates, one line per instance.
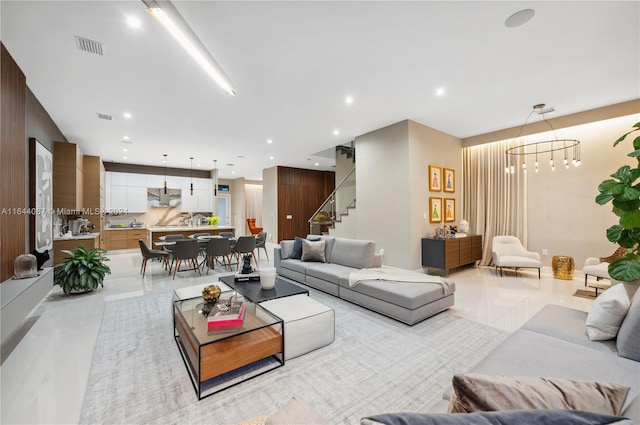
(148, 254)
(218, 247)
(245, 245)
(185, 250)
(171, 238)
(261, 242)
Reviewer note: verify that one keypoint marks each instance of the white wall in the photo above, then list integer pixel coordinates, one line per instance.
(563, 215)
(270, 202)
(383, 201)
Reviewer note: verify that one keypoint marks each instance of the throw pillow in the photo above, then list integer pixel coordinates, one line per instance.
(313, 251)
(538, 417)
(295, 412)
(628, 343)
(474, 392)
(297, 248)
(607, 313)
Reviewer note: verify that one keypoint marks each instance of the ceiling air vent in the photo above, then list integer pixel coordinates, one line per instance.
(89, 46)
(104, 116)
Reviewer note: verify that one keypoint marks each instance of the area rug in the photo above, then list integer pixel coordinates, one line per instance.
(375, 365)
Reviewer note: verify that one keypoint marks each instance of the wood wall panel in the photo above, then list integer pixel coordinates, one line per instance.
(13, 158)
(300, 194)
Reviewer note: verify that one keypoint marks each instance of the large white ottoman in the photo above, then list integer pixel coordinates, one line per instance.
(308, 324)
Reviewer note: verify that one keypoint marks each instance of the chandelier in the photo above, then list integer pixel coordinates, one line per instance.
(567, 149)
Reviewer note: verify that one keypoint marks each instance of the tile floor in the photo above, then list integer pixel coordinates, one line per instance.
(44, 370)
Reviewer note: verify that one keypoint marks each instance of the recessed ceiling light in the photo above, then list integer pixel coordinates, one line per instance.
(127, 115)
(440, 91)
(124, 150)
(317, 164)
(125, 137)
(269, 141)
(233, 172)
(124, 157)
(198, 165)
(133, 22)
(348, 100)
(519, 18)
(270, 157)
(336, 132)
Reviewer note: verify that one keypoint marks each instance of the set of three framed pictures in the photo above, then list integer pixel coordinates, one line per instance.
(442, 180)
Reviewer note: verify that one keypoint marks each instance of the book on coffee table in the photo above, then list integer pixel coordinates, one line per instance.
(226, 314)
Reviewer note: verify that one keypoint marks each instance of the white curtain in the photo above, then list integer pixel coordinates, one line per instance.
(253, 197)
(494, 202)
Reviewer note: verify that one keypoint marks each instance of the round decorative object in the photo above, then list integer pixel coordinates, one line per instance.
(464, 226)
(563, 267)
(25, 266)
(211, 293)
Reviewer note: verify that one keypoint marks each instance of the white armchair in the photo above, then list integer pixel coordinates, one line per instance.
(509, 252)
(599, 267)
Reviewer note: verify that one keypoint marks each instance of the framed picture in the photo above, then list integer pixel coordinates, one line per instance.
(435, 210)
(435, 178)
(449, 180)
(41, 202)
(449, 209)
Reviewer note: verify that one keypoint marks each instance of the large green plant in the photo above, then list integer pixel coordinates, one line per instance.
(82, 271)
(624, 193)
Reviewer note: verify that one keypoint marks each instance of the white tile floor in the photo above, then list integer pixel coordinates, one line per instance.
(44, 373)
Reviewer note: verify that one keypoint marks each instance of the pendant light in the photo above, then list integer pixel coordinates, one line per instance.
(191, 158)
(165, 173)
(215, 187)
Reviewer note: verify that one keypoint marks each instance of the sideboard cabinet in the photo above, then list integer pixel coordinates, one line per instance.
(451, 252)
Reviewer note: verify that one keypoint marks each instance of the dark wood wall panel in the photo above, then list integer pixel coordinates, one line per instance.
(300, 194)
(149, 169)
(12, 163)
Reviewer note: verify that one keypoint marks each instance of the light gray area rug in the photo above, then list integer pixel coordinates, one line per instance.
(375, 365)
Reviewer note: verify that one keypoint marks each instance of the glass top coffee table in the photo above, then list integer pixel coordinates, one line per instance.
(218, 358)
(254, 292)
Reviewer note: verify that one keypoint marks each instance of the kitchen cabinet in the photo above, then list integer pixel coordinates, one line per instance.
(118, 198)
(67, 176)
(452, 252)
(89, 241)
(125, 238)
(136, 199)
(93, 193)
(136, 180)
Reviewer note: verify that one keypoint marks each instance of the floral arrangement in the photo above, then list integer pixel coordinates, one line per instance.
(213, 220)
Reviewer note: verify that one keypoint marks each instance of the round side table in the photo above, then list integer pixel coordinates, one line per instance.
(563, 267)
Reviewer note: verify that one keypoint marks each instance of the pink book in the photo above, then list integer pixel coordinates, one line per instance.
(220, 321)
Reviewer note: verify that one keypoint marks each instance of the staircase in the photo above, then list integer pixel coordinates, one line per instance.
(335, 207)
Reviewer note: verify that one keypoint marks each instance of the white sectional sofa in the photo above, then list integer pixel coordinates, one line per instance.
(408, 302)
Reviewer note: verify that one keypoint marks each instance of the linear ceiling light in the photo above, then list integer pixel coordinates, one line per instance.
(168, 16)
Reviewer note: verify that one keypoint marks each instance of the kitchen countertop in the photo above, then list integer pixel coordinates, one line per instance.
(187, 228)
(126, 228)
(80, 236)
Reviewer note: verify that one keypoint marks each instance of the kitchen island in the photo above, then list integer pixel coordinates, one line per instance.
(156, 232)
(88, 240)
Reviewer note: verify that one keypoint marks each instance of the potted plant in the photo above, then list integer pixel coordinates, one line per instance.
(624, 193)
(82, 271)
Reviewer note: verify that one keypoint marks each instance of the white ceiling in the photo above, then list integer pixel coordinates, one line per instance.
(293, 63)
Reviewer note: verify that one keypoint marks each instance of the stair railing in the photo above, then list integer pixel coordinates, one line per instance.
(336, 205)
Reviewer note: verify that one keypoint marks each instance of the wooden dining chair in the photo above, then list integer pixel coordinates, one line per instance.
(185, 250)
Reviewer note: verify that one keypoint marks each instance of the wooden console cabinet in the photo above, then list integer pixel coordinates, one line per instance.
(451, 253)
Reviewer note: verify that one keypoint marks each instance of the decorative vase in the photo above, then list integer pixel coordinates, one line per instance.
(267, 277)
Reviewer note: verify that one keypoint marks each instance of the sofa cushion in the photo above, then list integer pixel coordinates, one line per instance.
(286, 249)
(566, 324)
(410, 295)
(527, 353)
(476, 392)
(329, 271)
(296, 265)
(353, 252)
(538, 417)
(628, 342)
(607, 313)
(313, 251)
(517, 261)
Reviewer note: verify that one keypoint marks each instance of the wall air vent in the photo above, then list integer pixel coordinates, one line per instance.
(89, 46)
(104, 116)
